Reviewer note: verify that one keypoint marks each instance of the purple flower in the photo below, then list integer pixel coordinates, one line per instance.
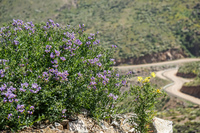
(98, 56)
(117, 84)
(47, 51)
(88, 43)
(4, 100)
(22, 90)
(110, 95)
(20, 107)
(30, 112)
(112, 59)
(12, 88)
(16, 42)
(57, 25)
(77, 41)
(95, 43)
(91, 34)
(79, 74)
(44, 74)
(93, 83)
(45, 28)
(57, 53)
(16, 100)
(93, 78)
(51, 21)
(117, 75)
(55, 66)
(48, 46)
(104, 82)
(55, 61)
(52, 55)
(98, 41)
(9, 115)
(114, 46)
(64, 110)
(90, 38)
(32, 107)
(95, 87)
(129, 73)
(24, 84)
(115, 97)
(99, 64)
(124, 82)
(66, 73)
(3, 87)
(11, 100)
(62, 58)
(11, 96)
(34, 85)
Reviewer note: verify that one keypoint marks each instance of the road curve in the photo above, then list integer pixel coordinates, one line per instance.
(174, 88)
(170, 74)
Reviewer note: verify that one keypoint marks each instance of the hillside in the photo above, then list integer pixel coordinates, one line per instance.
(138, 28)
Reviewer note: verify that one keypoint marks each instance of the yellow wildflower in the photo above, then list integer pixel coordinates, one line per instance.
(194, 71)
(146, 80)
(158, 91)
(153, 74)
(140, 79)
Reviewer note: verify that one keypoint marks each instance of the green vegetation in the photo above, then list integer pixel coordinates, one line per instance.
(191, 69)
(49, 73)
(185, 115)
(137, 27)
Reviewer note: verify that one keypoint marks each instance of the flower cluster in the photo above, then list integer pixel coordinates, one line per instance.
(23, 85)
(9, 94)
(35, 88)
(20, 108)
(113, 96)
(31, 110)
(63, 113)
(55, 74)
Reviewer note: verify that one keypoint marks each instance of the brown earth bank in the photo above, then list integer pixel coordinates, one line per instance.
(191, 90)
(186, 75)
(171, 54)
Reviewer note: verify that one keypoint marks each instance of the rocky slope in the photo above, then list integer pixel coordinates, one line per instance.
(191, 90)
(171, 54)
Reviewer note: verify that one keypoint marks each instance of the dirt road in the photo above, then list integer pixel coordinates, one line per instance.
(177, 82)
(170, 74)
(180, 61)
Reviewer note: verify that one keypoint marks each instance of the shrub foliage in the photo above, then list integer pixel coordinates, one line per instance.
(49, 73)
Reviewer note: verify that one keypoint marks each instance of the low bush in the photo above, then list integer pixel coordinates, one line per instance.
(50, 73)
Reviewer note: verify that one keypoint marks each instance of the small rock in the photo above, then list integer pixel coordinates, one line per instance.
(58, 126)
(65, 124)
(51, 127)
(115, 124)
(103, 126)
(131, 130)
(42, 126)
(162, 126)
(78, 125)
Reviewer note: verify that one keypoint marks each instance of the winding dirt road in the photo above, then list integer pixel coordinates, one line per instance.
(177, 82)
(170, 74)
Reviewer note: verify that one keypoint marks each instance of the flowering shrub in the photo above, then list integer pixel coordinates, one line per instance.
(144, 99)
(49, 72)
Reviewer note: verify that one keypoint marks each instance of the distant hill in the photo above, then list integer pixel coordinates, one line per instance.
(137, 27)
